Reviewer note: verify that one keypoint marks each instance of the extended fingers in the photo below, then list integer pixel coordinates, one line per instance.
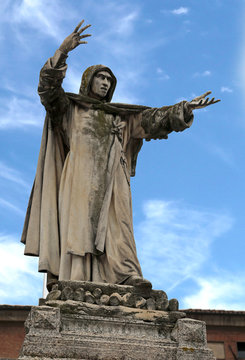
(206, 93)
(78, 26)
(213, 101)
(83, 29)
(83, 36)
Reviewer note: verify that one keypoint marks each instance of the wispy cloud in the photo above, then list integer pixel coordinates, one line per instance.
(162, 74)
(226, 89)
(175, 239)
(8, 205)
(13, 175)
(225, 155)
(222, 291)
(19, 279)
(202, 74)
(180, 11)
(42, 15)
(126, 23)
(20, 112)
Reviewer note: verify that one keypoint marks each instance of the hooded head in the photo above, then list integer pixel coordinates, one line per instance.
(87, 80)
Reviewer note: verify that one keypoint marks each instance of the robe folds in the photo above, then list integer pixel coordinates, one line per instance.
(79, 216)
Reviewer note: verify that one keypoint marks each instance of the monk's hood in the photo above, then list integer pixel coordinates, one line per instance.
(87, 78)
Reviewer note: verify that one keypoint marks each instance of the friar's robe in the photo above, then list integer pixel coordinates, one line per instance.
(79, 216)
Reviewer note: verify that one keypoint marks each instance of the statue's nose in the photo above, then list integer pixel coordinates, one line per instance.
(106, 82)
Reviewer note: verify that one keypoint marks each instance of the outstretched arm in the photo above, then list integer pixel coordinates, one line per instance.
(158, 123)
(52, 74)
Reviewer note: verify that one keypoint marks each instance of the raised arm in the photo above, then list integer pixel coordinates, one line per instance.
(53, 72)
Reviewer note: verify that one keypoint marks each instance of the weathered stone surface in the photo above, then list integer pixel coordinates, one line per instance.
(73, 330)
(190, 331)
(74, 307)
(173, 305)
(97, 293)
(128, 300)
(67, 293)
(54, 295)
(79, 294)
(104, 300)
(140, 302)
(150, 304)
(126, 295)
(115, 299)
(89, 298)
(190, 335)
(43, 318)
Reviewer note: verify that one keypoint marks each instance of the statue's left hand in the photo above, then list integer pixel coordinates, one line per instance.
(74, 39)
(201, 102)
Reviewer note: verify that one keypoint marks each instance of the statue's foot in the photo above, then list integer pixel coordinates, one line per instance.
(135, 280)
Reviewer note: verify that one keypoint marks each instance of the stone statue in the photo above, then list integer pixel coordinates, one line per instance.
(79, 216)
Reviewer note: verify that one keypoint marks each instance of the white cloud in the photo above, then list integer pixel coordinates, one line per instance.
(180, 11)
(19, 278)
(223, 291)
(174, 240)
(202, 74)
(226, 89)
(13, 175)
(20, 112)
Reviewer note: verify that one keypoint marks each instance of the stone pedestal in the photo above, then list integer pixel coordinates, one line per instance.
(75, 329)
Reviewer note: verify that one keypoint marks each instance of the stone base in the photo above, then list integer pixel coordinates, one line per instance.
(69, 329)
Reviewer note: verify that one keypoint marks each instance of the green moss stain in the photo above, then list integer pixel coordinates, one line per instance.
(188, 349)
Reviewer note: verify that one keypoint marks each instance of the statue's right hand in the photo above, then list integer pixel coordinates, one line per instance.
(74, 39)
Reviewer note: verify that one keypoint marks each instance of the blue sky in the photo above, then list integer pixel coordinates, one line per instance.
(188, 193)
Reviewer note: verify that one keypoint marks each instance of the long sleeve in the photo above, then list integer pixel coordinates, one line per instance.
(157, 123)
(50, 91)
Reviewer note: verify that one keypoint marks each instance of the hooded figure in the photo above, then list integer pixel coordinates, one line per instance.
(79, 216)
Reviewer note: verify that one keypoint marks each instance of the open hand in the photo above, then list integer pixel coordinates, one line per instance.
(201, 101)
(74, 39)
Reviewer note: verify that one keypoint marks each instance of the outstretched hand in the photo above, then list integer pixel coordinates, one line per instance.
(201, 101)
(74, 39)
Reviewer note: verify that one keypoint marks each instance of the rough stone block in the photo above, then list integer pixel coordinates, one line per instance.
(190, 333)
(111, 322)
